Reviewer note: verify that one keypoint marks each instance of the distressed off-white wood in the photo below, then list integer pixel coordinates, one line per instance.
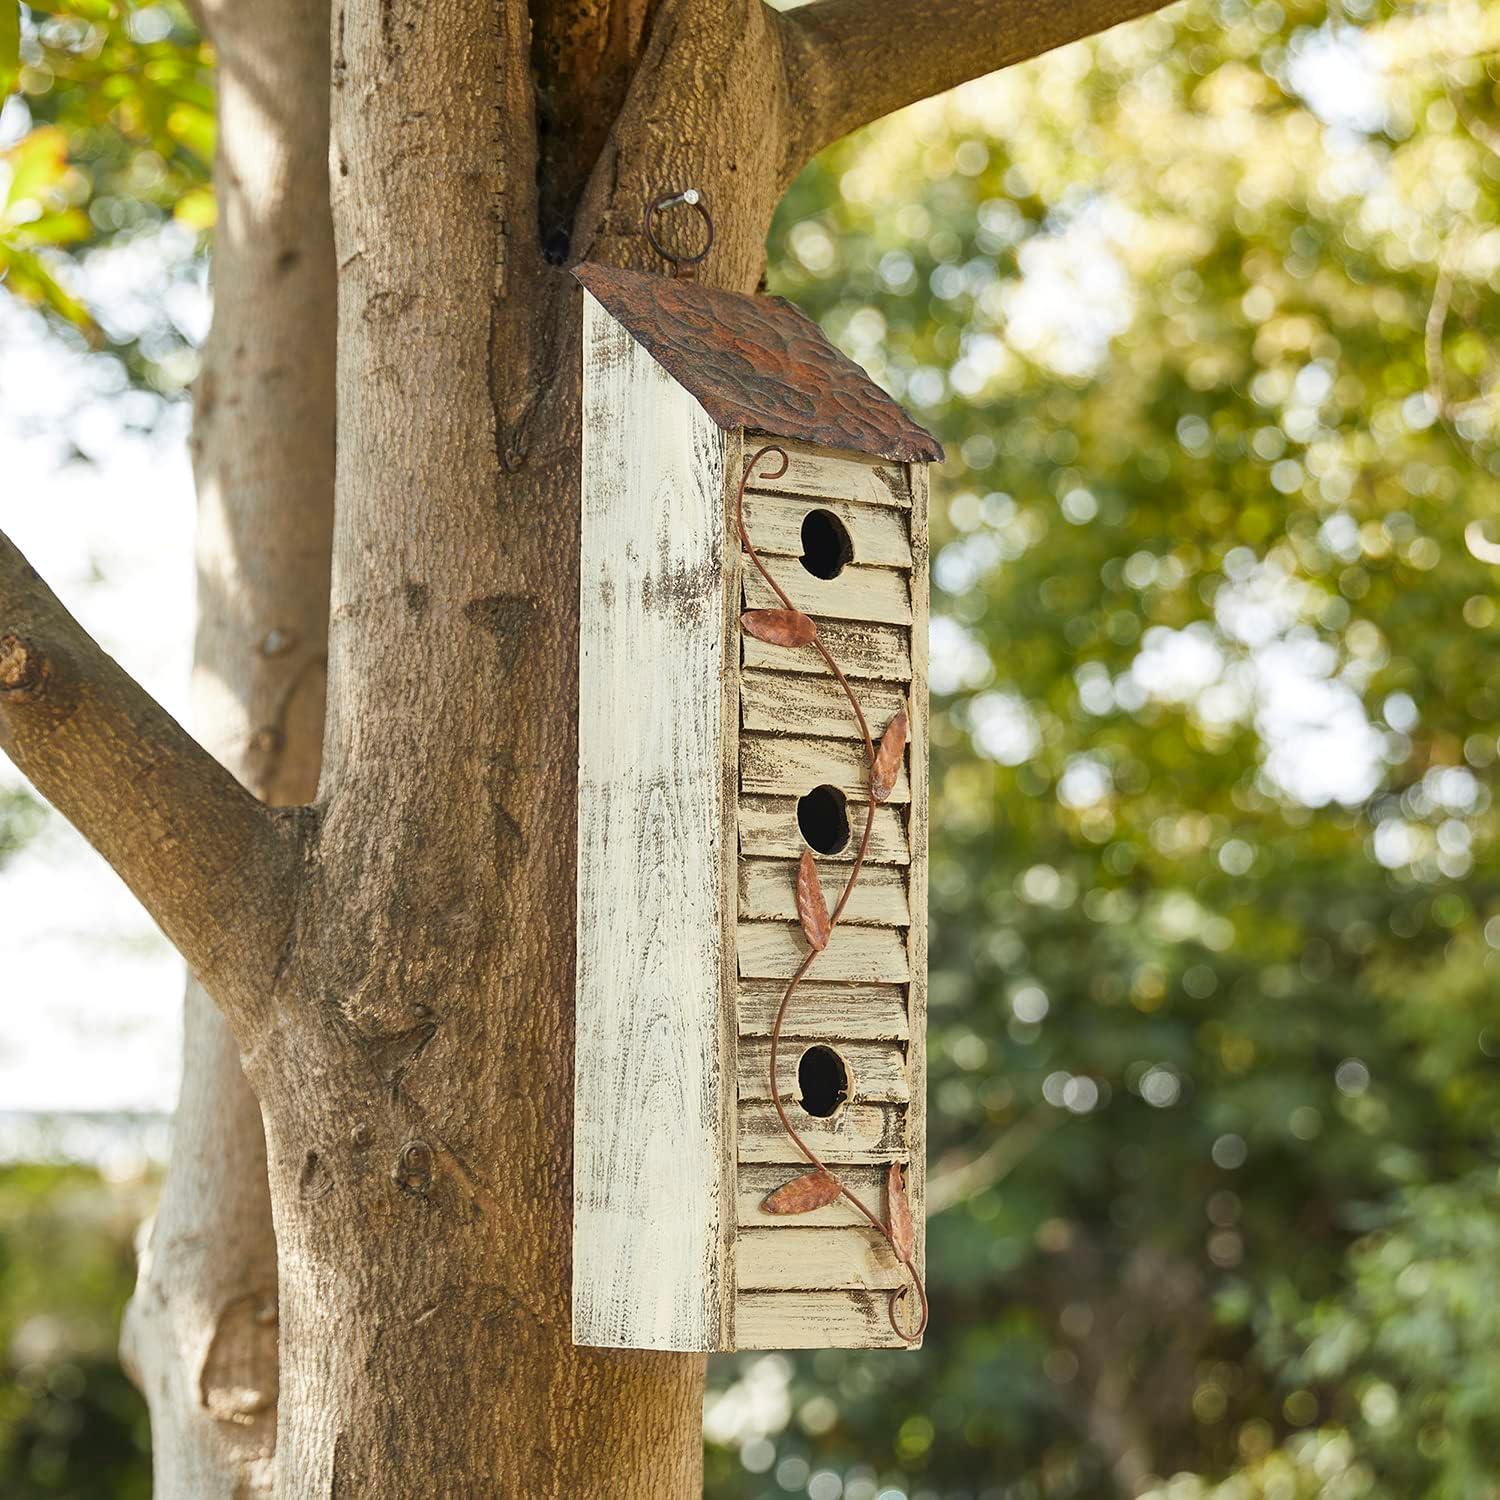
(756, 1183)
(695, 743)
(876, 1069)
(831, 474)
(871, 955)
(876, 1012)
(917, 833)
(863, 1133)
(773, 765)
(775, 701)
(727, 1039)
(877, 535)
(768, 893)
(794, 1257)
(815, 1320)
(880, 595)
(860, 649)
(768, 829)
(653, 1101)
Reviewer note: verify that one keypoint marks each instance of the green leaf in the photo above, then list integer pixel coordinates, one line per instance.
(10, 45)
(37, 164)
(67, 227)
(30, 279)
(193, 128)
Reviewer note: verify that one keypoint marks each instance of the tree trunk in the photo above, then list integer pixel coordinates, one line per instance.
(395, 961)
(200, 1335)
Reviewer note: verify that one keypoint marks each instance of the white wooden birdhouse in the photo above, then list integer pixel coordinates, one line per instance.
(729, 779)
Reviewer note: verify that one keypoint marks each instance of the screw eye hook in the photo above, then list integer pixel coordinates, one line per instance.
(682, 265)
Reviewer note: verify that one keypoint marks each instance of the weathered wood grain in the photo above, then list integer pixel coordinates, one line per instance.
(879, 899)
(876, 1012)
(654, 1098)
(795, 1257)
(878, 534)
(729, 767)
(777, 765)
(768, 829)
(876, 1069)
(828, 473)
(880, 595)
(868, 955)
(783, 704)
(917, 752)
(860, 1133)
(815, 1320)
(860, 649)
(756, 1183)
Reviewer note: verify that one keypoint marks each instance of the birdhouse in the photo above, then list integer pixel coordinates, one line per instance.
(752, 729)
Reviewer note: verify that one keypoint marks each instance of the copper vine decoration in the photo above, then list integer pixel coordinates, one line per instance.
(790, 627)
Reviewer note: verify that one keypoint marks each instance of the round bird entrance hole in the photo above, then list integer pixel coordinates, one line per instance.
(826, 547)
(823, 1078)
(823, 818)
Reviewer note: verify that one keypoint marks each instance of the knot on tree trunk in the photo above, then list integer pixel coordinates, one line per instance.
(24, 670)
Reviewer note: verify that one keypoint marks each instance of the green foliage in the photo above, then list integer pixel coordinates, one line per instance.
(1202, 492)
(20, 816)
(117, 96)
(70, 1423)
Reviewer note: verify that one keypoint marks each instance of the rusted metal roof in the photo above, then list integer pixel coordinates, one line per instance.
(758, 363)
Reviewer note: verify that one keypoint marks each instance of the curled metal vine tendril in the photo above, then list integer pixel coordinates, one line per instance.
(905, 1258)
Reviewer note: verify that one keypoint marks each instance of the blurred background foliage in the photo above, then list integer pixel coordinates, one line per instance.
(70, 1423)
(104, 193)
(1205, 312)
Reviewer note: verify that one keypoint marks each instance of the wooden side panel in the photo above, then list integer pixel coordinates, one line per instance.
(768, 893)
(877, 1069)
(859, 1133)
(768, 828)
(876, 1012)
(773, 701)
(652, 1097)
(917, 833)
(815, 1320)
(860, 649)
(792, 1257)
(775, 765)
(729, 863)
(872, 594)
(869, 955)
(829, 474)
(878, 535)
(823, 1280)
(757, 1183)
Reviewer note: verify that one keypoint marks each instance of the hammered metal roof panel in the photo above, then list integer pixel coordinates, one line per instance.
(757, 362)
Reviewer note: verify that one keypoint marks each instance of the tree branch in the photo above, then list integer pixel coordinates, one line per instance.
(206, 859)
(852, 61)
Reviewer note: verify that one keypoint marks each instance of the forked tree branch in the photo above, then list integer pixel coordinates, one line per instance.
(211, 864)
(852, 61)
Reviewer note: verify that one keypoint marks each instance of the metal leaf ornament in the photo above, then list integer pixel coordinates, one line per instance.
(803, 1194)
(886, 768)
(898, 1213)
(779, 627)
(812, 909)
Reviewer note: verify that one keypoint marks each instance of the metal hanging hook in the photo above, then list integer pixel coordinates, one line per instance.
(682, 265)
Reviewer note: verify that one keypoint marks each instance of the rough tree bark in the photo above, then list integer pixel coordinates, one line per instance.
(394, 960)
(200, 1334)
